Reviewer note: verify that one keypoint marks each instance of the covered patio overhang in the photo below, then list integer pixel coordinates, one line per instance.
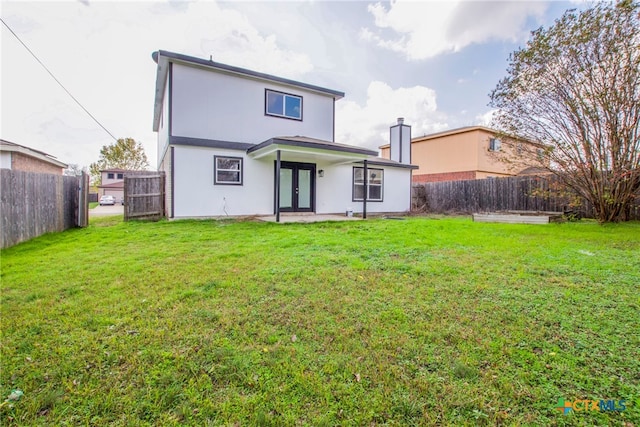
(305, 150)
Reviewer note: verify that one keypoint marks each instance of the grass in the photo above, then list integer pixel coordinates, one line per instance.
(415, 322)
(93, 204)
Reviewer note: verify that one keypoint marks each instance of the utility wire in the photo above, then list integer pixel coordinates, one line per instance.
(57, 81)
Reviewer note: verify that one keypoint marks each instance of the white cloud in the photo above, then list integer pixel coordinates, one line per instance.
(368, 125)
(485, 119)
(422, 30)
(102, 53)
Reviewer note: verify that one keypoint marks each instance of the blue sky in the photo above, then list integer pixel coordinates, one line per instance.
(433, 63)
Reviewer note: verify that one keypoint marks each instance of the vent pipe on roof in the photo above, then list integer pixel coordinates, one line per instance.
(400, 142)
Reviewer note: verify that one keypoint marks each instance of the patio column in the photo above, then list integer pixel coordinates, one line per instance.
(278, 186)
(366, 191)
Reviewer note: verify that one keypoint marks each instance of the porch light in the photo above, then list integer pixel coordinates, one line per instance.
(321, 173)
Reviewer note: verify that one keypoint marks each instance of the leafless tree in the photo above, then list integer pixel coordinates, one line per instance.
(575, 88)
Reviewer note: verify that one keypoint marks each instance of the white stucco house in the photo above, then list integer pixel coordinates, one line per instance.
(235, 142)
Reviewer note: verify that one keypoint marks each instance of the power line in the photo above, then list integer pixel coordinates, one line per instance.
(57, 81)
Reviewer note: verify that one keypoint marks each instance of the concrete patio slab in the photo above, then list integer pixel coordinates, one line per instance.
(307, 218)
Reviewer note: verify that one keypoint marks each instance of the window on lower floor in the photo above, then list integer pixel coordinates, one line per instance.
(374, 186)
(282, 104)
(227, 170)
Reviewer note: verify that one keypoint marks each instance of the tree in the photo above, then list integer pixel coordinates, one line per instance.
(73, 169)
(575, 88)
(126, 154)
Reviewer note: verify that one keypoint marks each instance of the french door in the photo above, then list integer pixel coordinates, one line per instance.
(297, 187)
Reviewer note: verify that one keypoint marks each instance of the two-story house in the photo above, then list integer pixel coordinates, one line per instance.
(236, 142)
(112, 183)
(473, 152)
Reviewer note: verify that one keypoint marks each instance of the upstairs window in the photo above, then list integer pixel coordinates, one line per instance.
(120, 176)
(227, 170)
(374, 187)
(494, 144)
(280, 104)
(109, 176)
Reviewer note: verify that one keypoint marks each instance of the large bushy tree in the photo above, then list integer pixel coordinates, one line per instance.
(125, 153)
(575, 87)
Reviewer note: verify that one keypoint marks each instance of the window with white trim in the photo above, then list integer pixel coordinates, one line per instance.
(227, 170)
(495, 144)
(285, 105)
(374, 184)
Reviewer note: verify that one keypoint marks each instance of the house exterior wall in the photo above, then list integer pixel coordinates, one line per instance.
(106, 180)
(460, 156)
(197, 196)
(164, 128)
(335, 190)
(29, 164)
(219, 106)
(165, 166)
(453, 153)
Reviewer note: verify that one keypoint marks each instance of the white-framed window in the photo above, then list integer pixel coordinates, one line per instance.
(495, 144)
(110, 176)
(227, 170)
(280, 104)
(374, 184)
(120, 176)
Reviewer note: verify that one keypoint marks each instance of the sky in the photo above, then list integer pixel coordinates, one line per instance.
(433, 63)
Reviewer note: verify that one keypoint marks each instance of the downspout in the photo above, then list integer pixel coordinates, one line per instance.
(278, 186)
(366, 191)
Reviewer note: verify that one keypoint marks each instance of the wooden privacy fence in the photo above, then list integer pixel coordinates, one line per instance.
(144, 196)
(32, 204)
(500, 194)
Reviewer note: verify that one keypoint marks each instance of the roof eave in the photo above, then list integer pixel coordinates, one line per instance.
(162, 70)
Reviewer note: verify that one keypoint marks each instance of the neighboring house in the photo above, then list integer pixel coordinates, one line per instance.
(237, 142)
(112, 182)
(18, 157)
(472, 152)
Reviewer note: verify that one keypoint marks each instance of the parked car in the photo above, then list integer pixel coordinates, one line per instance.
(107, 200)
(122, 201)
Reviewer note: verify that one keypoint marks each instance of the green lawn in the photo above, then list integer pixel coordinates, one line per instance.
(382, 322)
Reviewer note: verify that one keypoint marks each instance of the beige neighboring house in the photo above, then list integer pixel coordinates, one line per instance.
(18, 157)
(112, 182)
(471, 152)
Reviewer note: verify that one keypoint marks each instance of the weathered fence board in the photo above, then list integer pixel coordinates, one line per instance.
(36, 203)
(533, 194)
(144, 196)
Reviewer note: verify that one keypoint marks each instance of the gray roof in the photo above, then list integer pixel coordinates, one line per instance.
(379, 161)
(230, 68)
(303, 141)
(27, 151)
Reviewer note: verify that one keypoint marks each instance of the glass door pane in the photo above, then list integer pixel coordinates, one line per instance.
(286, 185)
(304, 189)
